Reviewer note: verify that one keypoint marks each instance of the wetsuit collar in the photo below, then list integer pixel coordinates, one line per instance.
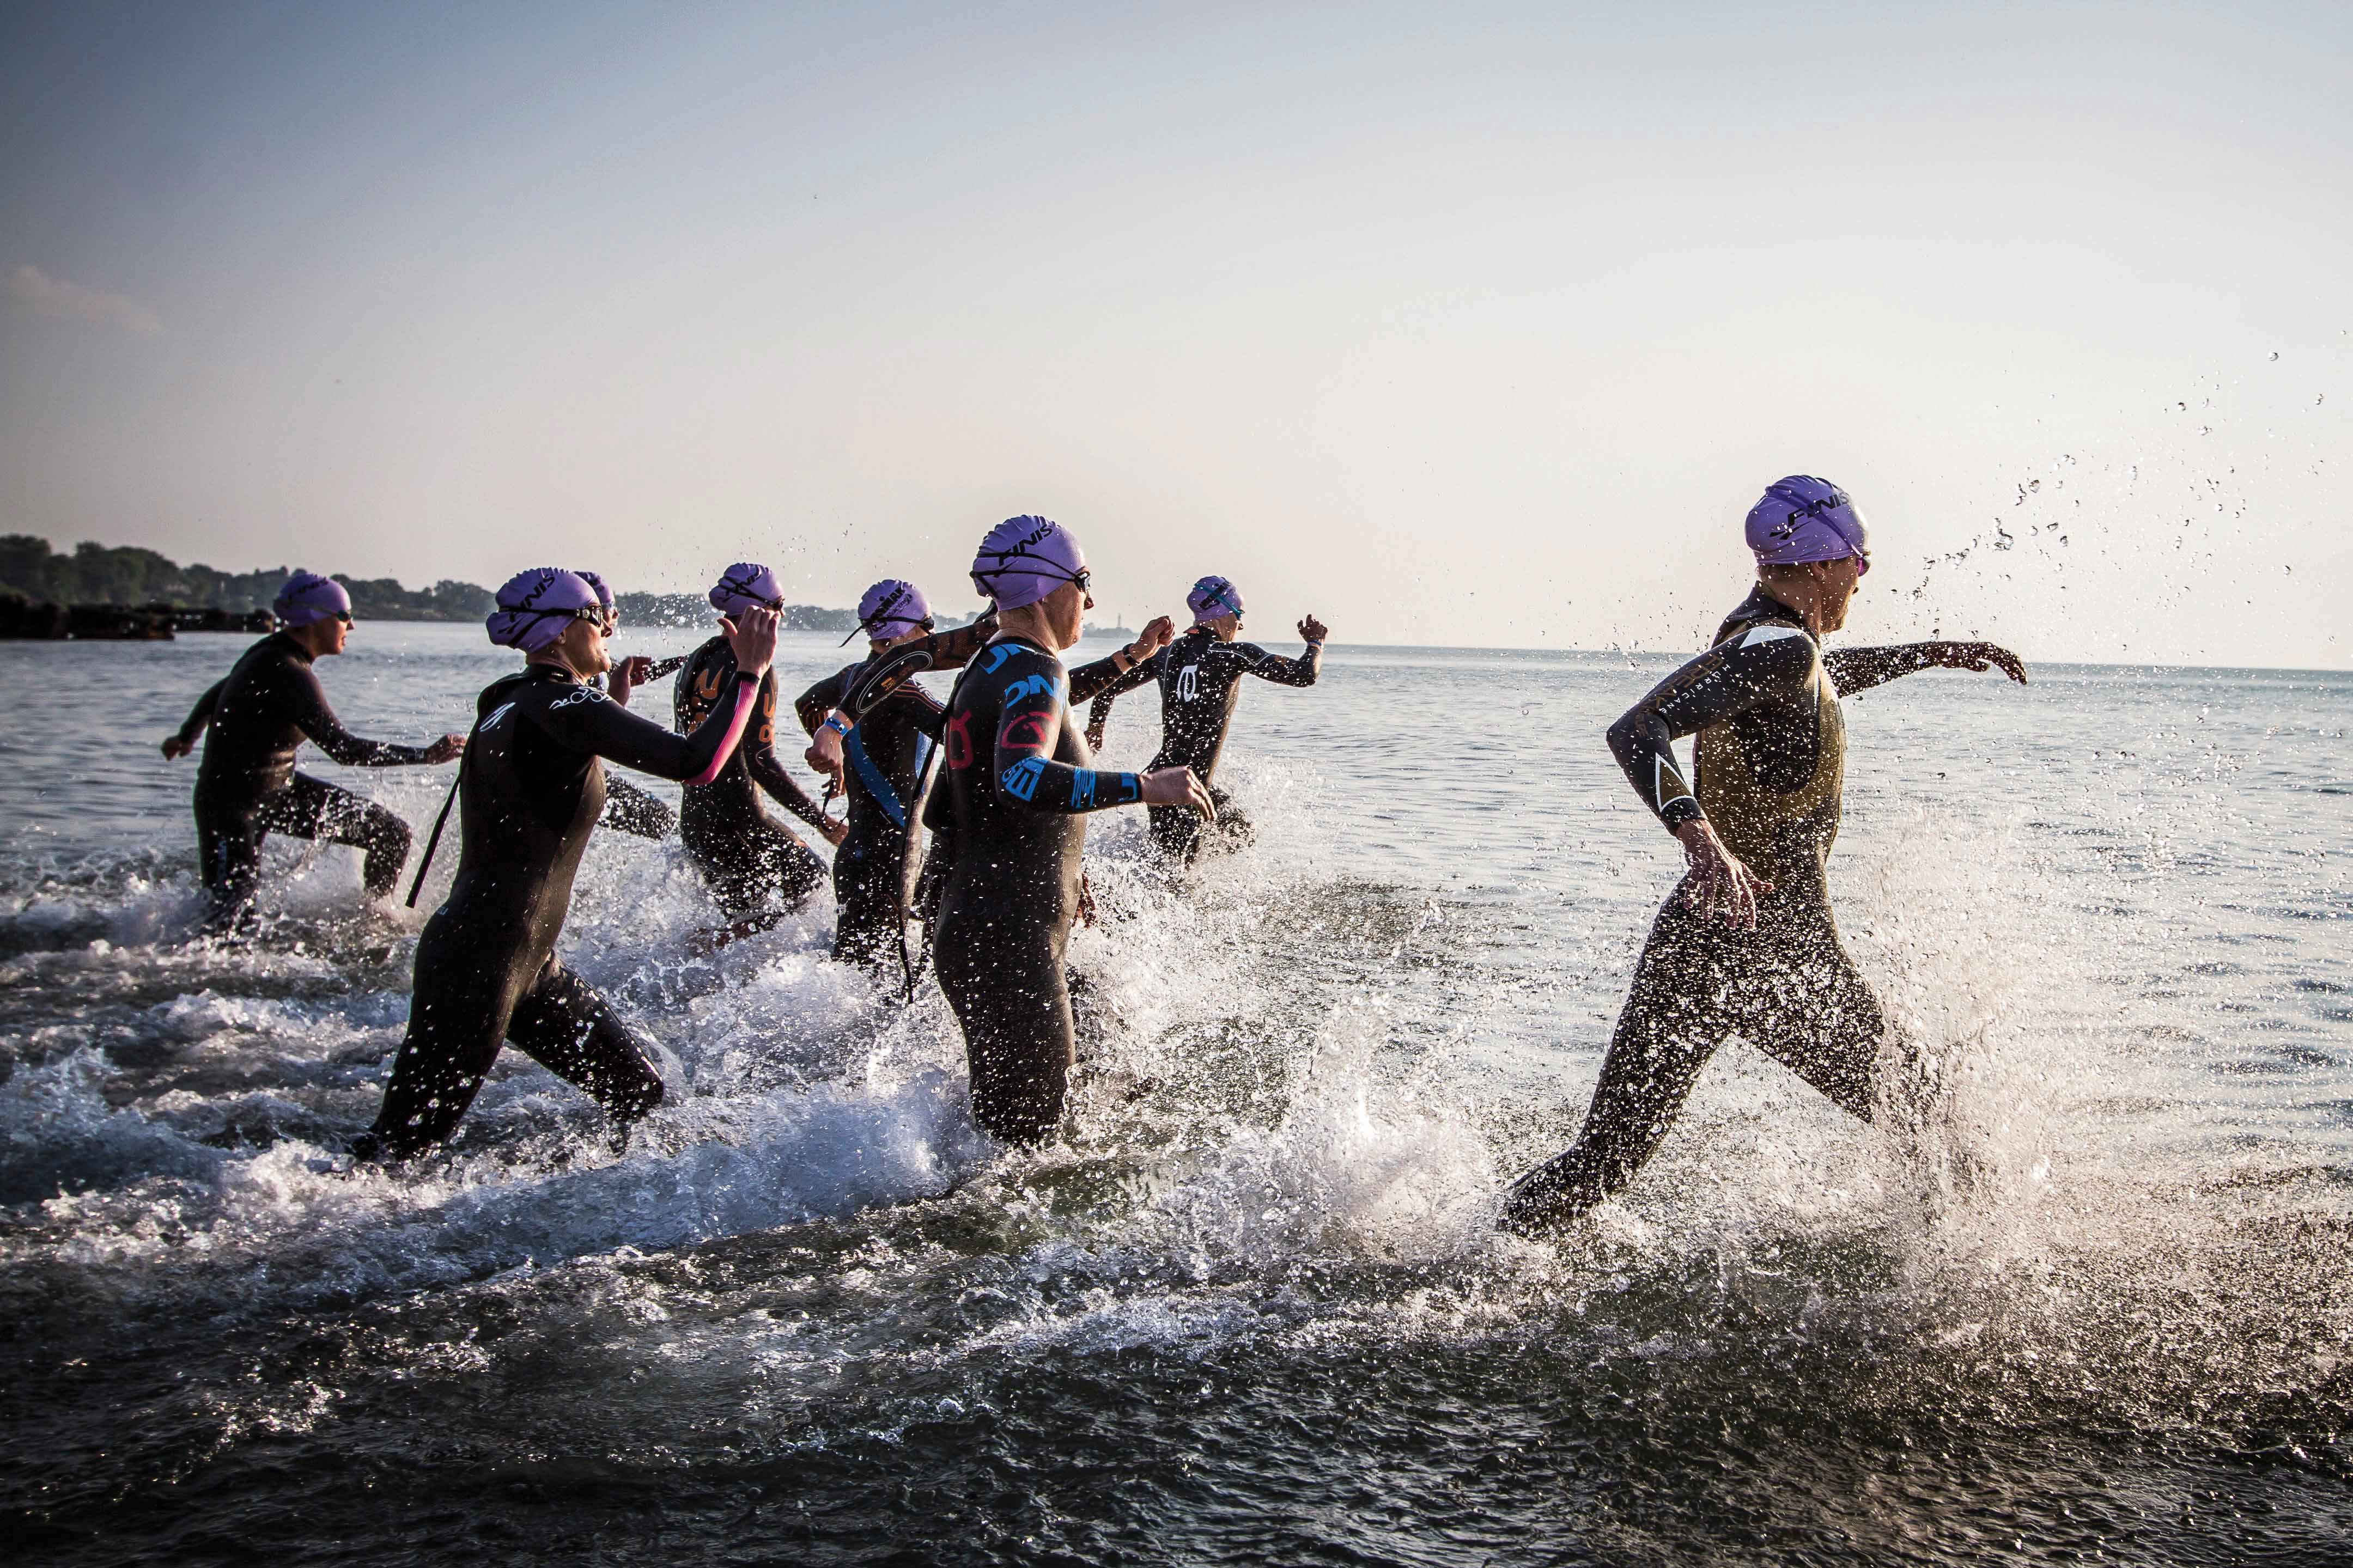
(1761, 604)
(287, 641)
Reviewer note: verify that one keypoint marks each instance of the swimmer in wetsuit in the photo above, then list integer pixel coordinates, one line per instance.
(1200, 678)
(628, 808)
(1015, 794)
(747, 856)
(1746, 945)
(888, 753)
(530, 793)
(259, 714)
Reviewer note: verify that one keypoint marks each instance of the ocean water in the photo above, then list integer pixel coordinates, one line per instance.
(1251, 1308)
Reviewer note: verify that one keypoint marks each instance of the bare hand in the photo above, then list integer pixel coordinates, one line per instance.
(1178, 786)
(824, 753)
(1094, 737)
(1086, 900)
(175, 748)
(1979, 656)
(753, 639)
(627, 674)
(446, 747)
(1718, 882)
(1313, 630)
(1158, 634)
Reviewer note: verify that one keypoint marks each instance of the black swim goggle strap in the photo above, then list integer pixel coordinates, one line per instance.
(743, 590)
(1083, 576)
(882, 615)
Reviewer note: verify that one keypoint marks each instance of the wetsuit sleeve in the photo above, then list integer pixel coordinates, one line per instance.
(662, 667)
(1034, 714)
(760, 756)
(202, 713)
(1104, 677)
(1300, 671)
(306, 704)
(585, 720)
(954, 650)
(1853, 670)
(1141, 671)
(1764, 664)
(811, 706)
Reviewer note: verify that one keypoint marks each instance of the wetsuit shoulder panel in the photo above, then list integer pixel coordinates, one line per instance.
(1752, 667)
(1032, 715)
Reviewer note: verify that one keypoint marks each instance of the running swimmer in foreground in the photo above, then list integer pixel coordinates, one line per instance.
(888, 753)
(746, 855)
(1746, 944)
(628, 808)
(1200, 681)
(1018, 787)
(530, 793)
(259, 715)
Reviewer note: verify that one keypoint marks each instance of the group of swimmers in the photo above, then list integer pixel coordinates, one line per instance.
(1746, 945)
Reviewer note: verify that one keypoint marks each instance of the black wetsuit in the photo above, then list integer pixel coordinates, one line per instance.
(1770, 765)
(1017, 785)
(246, 788)
(742, 852)
(628, 808)
(1200, 681)
(884, 757)
(529, 792)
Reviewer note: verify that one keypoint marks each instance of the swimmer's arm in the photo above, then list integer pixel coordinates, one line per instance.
(768, 772)
(954, 650)
(585, 720)
(812, 706)
(308, 704)
(662, 667)
(1105, 681)
(199, 718)
(1731, 678)
(1853, 670)
(1300, 671)
(1025, 736)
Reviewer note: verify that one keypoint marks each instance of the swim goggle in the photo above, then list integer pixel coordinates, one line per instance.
(1218, 596)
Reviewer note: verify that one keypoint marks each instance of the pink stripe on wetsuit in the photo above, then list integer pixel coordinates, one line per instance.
(747, 692)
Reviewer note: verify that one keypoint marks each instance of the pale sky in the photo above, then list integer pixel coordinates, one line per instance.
(1453, 324)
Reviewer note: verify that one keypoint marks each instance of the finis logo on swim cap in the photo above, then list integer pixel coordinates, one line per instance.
(1802, 519)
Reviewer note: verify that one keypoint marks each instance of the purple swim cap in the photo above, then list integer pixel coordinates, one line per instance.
(890, 608)
(604, 594)
(1804, 519)
(1026, 558)
(535, 607)
(1213, 597)
(308, 598)
(746, 585)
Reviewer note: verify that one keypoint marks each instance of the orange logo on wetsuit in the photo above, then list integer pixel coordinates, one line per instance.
(958, 736)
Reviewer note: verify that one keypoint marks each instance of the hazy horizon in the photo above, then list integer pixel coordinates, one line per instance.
(1474, 329)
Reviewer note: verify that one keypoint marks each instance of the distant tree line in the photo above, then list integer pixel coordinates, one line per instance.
(127, 575)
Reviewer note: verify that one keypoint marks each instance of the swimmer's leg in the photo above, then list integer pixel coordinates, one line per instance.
(1675, 1017)
(228, 858)
(867, 880)
(1822, 1021)
(564, 1025)
(1010, 994)
(458, 1015)
(629, 809)
(1175, 832)
(312, 808)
